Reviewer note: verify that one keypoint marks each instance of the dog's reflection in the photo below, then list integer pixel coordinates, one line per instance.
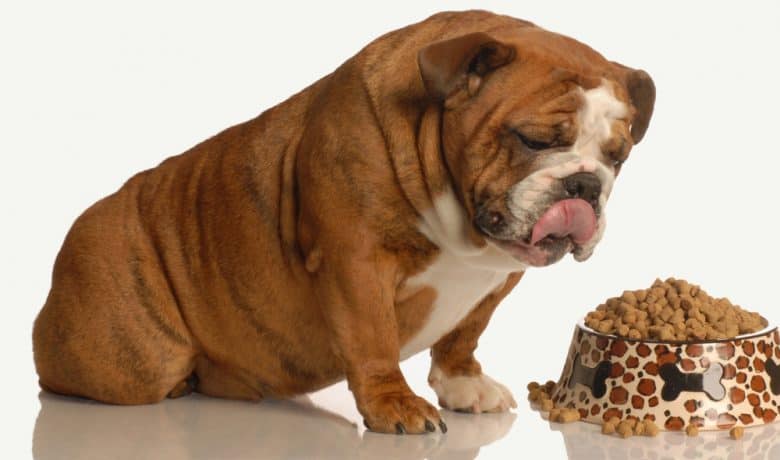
(201, 427)
(584, 441)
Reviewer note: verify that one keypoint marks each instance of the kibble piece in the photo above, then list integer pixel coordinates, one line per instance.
(607, 428)
(737, 432)
(639, 429)
(651, 429)
(533, 386)
(546, 405)
(569, 415)
(555, 414)
(624, 429)
(699, 333)
(692, 430)
(683, 287)
(605, 326)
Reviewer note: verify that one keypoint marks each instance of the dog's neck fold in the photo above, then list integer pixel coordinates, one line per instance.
(440, 207)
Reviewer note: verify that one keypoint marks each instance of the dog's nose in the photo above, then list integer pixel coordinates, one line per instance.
(583, 185)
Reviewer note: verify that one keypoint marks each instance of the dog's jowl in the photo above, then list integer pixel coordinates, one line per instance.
(385, 210)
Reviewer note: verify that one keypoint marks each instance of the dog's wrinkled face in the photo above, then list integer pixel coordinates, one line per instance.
(534, 138)
(560, 176)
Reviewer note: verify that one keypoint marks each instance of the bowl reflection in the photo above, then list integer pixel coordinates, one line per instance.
(585, 442)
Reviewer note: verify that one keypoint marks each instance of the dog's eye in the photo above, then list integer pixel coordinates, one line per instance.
(532, 144)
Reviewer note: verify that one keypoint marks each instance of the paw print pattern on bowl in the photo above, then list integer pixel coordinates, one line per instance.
(714, 385)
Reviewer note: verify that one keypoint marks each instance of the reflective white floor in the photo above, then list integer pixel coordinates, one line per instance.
(201, 427)
(198, 427)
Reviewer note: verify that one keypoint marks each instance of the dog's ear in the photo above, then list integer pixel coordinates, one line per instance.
(641, 91)
(461, 63)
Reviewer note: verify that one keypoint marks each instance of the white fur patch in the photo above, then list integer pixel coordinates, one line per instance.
(600, 109)
(462, 274)
(476, 394)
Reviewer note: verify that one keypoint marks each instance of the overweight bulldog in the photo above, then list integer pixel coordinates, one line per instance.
(383, 211)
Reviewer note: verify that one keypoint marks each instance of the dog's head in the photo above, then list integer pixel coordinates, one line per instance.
(534, 130)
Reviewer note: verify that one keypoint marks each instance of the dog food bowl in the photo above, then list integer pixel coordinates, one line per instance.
(716, 385)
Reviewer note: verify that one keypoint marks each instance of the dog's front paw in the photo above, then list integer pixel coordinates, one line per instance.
(401, 413)
(474, 394)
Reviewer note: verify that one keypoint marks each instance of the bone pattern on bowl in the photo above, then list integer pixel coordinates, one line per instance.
(715, 385)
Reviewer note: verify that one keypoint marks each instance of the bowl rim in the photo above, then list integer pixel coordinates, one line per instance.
(763, 332)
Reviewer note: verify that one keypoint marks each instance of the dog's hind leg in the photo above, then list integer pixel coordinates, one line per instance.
(111, 329)
(184, 387)
(215, 380)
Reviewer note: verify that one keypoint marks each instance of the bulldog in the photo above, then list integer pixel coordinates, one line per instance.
(385, 210)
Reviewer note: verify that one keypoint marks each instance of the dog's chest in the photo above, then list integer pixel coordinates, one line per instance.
(459, 286)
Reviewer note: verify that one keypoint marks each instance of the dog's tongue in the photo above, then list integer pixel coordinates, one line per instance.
(574, 218)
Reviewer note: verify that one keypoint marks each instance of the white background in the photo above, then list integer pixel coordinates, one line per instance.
(91, 93)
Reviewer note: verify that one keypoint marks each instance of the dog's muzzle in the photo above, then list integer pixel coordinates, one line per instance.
(564, 219)
(567, 216)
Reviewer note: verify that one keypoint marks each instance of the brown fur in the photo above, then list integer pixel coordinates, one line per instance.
(270, 260)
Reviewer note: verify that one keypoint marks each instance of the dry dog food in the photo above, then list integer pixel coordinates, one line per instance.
(672, 310)
(624, 429)
(651, 429)
(541, 395)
